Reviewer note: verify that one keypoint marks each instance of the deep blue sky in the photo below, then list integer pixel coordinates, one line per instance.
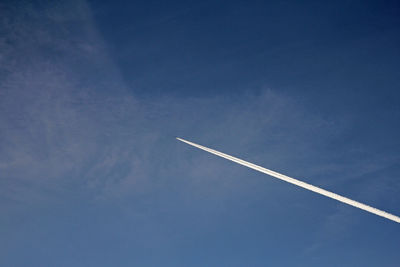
(92, 95)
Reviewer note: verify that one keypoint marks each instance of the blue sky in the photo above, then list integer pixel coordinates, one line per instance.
(93, 94)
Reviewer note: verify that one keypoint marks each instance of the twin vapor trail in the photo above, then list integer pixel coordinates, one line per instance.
(299, 183)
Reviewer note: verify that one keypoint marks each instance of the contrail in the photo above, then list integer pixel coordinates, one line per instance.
(299, 183)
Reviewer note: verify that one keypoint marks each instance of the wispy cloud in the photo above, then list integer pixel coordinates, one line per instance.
(68, 120)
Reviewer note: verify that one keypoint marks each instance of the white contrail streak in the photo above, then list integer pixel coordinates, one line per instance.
(299, 183)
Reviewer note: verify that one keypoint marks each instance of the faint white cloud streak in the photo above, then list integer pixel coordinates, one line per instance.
(299, 183)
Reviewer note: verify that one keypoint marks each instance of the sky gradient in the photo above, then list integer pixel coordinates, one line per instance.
(93, 94)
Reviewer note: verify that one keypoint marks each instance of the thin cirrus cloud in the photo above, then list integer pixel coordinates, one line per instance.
(86, 163)
(62, 124)
(68, 119)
